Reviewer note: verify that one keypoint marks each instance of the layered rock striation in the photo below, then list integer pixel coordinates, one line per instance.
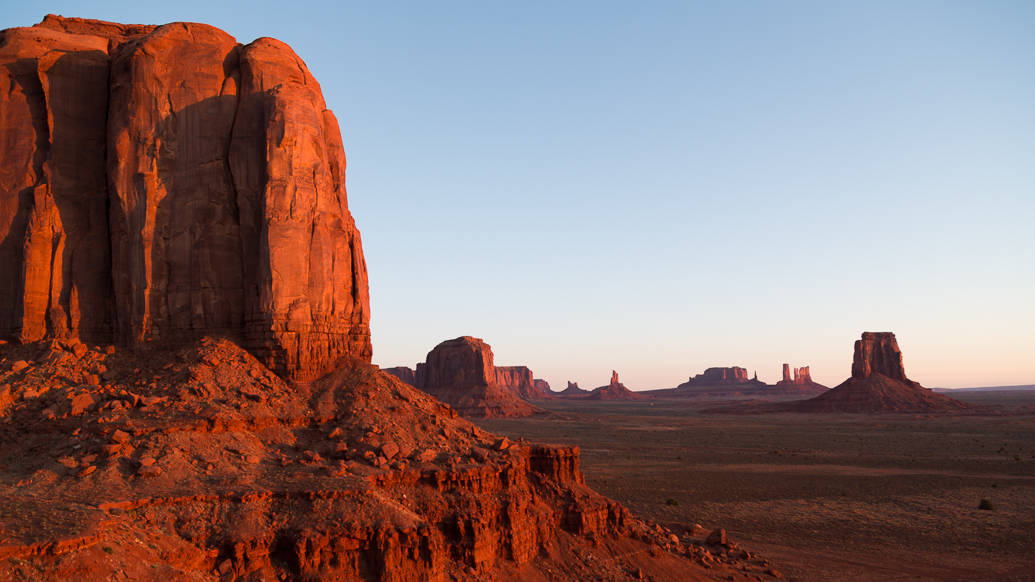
(162, 183)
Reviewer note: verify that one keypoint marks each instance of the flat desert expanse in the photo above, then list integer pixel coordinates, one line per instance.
(822, 496)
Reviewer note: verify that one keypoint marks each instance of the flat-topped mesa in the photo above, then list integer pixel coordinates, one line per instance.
(149, 195)
(721, 376)
(464, 362)
(878, 353)
(520, 381)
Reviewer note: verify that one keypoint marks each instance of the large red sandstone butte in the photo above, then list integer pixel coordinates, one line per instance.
(878, 384)
(160, 185)
(460, 372)
(163, 183)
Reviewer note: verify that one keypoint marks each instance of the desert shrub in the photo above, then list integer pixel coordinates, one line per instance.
(671, 501)
(985, 504)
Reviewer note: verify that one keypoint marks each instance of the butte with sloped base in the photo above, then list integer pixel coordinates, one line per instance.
(185, 380)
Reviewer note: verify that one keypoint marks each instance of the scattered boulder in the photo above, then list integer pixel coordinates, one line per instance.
(717, 538)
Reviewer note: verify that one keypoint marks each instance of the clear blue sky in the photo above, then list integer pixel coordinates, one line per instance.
(661, 187)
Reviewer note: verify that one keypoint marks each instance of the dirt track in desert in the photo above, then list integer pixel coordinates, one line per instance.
(824, 497)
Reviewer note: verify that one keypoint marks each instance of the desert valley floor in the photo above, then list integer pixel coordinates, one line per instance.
(822, 496)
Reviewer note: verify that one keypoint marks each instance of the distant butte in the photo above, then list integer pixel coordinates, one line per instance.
(800, 383)
(878, 384)
(614, 390)
(460, 372)
(572, 391)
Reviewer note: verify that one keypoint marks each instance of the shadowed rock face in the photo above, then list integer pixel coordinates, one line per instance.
(147, 194)
(404, 373)
(878, 352)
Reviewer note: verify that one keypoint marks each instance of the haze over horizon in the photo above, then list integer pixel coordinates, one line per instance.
(676, 187)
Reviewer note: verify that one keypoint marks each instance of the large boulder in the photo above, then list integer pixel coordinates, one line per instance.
(146, 195)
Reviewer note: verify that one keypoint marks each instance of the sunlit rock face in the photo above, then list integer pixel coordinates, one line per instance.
(878, 384)
(164, 183)
(878, 353)
(461, 373)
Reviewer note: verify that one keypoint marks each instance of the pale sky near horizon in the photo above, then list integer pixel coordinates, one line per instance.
(662, 187)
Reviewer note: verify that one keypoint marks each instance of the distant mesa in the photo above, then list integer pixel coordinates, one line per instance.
(614, 390)
(878, 384)
(519, 380)
(721, 381)
(460, 372)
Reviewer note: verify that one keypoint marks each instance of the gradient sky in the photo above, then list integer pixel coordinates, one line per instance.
(661, 187)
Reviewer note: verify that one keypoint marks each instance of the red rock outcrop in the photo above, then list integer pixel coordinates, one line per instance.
(186, 457)
(200, 463)
(460, 372)
(146, 195)
(878, 353)
(878, 384)
(721, 377)
(404, 373)
(572, 391)
(614, 390)
(519, 380)
(800, 383)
